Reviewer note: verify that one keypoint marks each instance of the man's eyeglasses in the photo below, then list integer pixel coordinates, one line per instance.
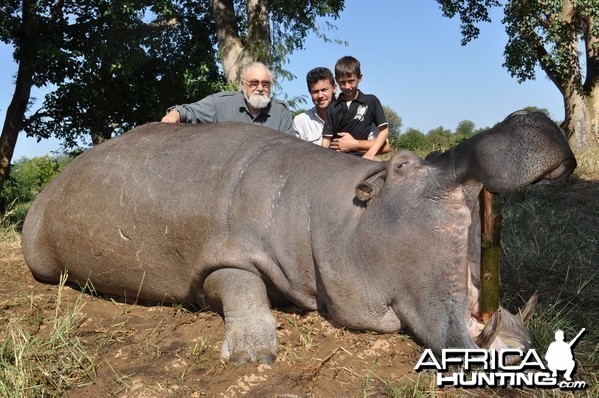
(255, 83)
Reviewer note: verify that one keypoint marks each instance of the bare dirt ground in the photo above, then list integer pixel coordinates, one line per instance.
(160, 351)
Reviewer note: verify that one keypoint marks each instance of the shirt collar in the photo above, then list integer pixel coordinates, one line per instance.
(314, 111)
(359, 98)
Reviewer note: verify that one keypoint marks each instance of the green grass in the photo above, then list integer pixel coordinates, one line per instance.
(550, 237)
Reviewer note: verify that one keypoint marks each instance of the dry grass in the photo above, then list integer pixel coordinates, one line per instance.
(588, 164)
(38, 362)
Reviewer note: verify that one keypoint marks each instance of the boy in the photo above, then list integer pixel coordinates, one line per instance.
(354, 112)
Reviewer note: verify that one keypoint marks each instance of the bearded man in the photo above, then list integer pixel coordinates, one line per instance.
(253, 103)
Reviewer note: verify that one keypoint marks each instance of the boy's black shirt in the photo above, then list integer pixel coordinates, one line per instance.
(365, 110)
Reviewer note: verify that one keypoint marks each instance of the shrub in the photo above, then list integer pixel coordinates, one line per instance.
(26, 180)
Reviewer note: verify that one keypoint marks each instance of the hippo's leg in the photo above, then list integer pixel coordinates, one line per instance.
(251, 328)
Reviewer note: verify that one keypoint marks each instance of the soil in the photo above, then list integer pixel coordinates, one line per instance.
(164, 351)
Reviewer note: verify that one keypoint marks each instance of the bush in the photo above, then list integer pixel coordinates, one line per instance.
(412, 140)
(26, 180)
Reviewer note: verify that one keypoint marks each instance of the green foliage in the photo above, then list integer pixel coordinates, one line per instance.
(440, 138)
(534, 109)
(111, 65)
(543, 34)
(412, 140)
(292, 20)
(394, 121)
(464, 131)
(27, 179)
(559, 37)
(470, 13)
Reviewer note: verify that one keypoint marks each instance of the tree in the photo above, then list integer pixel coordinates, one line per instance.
(394, 121)
(412, 140)
(265, 30)
(537, 109)
(110, 65)
(114, 64)
(548, 34)
(132, 79)
(26, 180)
(465, 128)
(440, 138)
(463, 131)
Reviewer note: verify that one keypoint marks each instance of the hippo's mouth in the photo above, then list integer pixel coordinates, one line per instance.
(504, 330)
(560, 172)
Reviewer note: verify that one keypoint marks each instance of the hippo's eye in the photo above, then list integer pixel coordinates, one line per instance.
(399, 166)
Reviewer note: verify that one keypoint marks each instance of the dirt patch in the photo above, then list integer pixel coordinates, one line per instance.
(160, 351)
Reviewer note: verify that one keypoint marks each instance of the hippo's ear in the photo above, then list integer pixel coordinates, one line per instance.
(368, 188)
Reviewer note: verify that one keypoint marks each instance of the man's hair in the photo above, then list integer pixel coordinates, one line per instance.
(244, 70)
(347, 66)
(320, 73)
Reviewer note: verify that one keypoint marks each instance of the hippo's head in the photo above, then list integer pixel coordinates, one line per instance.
(527, 147)
(429, 212)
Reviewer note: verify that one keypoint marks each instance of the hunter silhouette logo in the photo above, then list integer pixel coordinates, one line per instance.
(559, 355)
(505, 368)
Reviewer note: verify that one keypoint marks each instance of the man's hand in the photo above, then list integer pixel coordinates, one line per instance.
(172, 117)
(345, 143)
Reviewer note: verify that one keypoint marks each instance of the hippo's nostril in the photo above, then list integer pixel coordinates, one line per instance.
(490, 331)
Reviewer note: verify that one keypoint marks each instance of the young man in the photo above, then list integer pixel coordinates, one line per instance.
(322, 88)
(354, 112)
(251, 104)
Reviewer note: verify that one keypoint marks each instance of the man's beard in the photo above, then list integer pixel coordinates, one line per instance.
(257, 101)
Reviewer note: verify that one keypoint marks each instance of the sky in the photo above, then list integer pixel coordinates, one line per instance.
(411, 59)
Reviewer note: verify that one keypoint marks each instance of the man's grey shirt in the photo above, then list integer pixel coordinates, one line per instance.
(230, 106)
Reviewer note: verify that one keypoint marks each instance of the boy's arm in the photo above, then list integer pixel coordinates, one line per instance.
(346, 143)
(326, 141)
(378, 143)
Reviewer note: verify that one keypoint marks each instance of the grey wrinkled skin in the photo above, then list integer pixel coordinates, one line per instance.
(240, 217)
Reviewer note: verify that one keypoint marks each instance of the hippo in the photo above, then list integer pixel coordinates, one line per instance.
(239, 218)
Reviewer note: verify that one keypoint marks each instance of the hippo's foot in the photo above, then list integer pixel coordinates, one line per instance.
(250, 338)
(251, 329)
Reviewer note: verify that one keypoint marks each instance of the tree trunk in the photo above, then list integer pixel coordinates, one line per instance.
(258, 37)
(15, 114)
(581, 122)
(592, 105)
(581, 99)
(229, 42)
(234, 51)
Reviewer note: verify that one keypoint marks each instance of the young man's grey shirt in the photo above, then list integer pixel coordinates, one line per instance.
(230, 106)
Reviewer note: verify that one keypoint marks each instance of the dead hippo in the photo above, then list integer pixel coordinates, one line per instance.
(240, 217)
